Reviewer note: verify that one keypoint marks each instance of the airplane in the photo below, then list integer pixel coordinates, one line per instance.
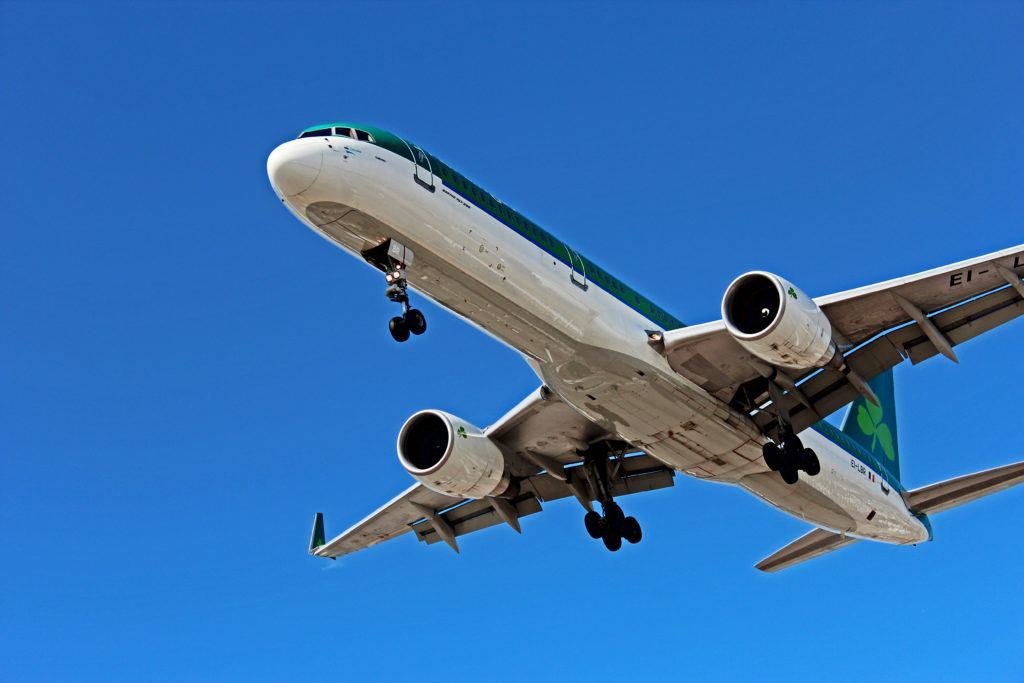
(629, 395)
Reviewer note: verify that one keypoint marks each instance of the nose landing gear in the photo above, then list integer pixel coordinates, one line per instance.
(411, 320)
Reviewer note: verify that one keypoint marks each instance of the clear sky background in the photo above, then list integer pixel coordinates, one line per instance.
(189, 374)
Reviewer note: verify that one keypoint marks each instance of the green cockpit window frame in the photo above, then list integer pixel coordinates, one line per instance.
(319, 132)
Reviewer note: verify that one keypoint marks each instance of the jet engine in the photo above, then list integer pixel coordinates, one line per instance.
(778, 323)
(451, 456)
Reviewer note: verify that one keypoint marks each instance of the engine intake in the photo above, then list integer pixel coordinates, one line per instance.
(774, 320)
(451, 456)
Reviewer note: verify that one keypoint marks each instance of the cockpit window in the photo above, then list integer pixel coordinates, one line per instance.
(320, 132)
(343, 131)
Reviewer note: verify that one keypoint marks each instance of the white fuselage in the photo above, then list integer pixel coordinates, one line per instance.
(586, 345)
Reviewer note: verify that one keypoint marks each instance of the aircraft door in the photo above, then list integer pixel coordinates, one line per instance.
(422, 168)
(578, 272)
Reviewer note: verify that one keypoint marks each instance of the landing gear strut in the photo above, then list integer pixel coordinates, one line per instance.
(788, 456)
(611, 525)
(411, 320)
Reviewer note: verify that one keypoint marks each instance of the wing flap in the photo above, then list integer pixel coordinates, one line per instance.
(860, 314)
(828, 390)
(636, 474)
(807, 547)
(956, 492)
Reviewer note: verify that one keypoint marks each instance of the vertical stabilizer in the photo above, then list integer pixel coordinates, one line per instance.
(874, 427)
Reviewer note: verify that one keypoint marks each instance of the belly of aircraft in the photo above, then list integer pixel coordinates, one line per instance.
(509, 293)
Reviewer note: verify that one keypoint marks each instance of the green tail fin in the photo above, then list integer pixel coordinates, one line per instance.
(874, 427)
(317, 539)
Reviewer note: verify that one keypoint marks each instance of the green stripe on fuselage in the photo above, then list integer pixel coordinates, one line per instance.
(520, 224)
(836, 436)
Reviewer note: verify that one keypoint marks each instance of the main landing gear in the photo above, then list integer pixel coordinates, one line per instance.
(611, 525)
(790, 457)
(411, 320)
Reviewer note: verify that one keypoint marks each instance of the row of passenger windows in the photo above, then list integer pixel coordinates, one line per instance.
(344, 132)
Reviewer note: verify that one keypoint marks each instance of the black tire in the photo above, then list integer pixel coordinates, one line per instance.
(613, 513)
(809, 462)
(611, 538)
(398, 329)
(595, 527)
(631, 530)
(415, 321)
(789, 475)
(792, 447)
(771, 455)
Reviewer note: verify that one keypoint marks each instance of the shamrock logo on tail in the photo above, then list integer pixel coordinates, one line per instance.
(869, 418)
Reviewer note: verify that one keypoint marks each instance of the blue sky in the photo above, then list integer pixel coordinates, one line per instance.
(189, 373)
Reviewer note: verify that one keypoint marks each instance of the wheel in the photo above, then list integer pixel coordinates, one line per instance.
(415, 321)
(809, 462)
(771, 455)
(595, 527)
(611, 538)
(789, 475)
(631, 530)
(398, 329)
(792, 447)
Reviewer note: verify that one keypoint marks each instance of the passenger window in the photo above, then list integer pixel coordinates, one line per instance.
(347, 132)
(320, 132)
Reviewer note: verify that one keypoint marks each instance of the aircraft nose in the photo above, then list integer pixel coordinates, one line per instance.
(294, 166)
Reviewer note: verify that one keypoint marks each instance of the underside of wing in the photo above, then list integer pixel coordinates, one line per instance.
(390, 521)
(541, 437)
(631, 474)
(807, 547)
(875, 327)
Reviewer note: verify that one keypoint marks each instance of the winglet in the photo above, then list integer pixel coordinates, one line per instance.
(317, 539)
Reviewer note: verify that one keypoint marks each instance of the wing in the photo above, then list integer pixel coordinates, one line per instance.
(914, 317)
(544, 432)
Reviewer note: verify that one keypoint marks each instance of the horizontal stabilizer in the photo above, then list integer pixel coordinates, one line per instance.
(807, 547)
(955, 492)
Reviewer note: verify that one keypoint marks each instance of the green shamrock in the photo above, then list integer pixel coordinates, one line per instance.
(869, 418)
(792, 293)
(461, 431)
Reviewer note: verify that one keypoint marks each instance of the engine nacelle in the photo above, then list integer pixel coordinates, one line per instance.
(451, 456)
(778, 323)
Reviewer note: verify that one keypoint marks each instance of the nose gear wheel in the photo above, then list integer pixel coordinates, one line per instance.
(412, 320)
